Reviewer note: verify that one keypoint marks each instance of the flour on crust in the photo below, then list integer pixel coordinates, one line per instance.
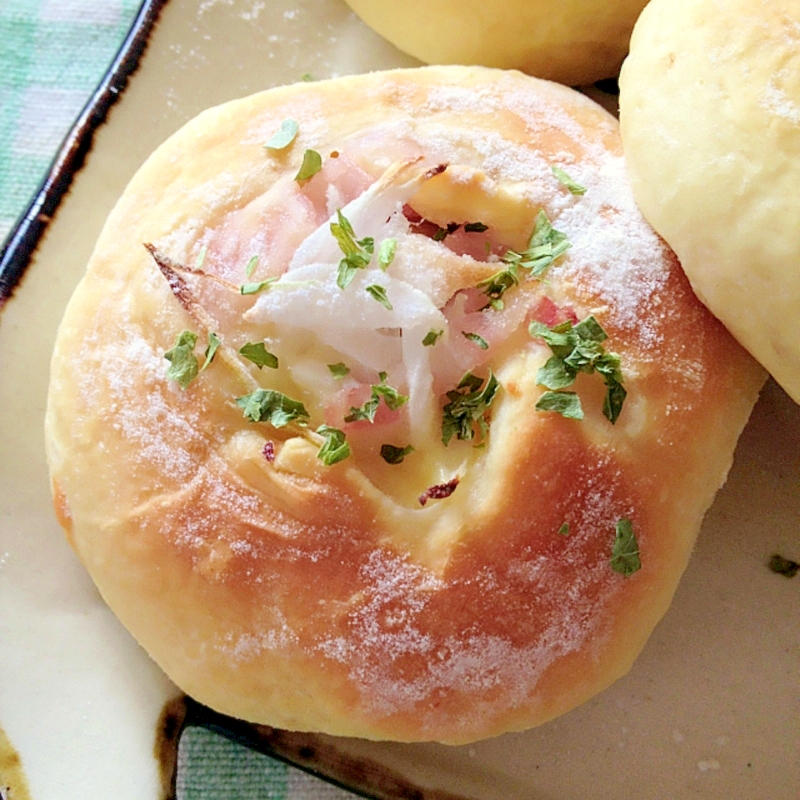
(280, 589)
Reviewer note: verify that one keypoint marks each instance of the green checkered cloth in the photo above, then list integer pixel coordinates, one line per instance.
(213, 768)
(53, 53)
(52, 56)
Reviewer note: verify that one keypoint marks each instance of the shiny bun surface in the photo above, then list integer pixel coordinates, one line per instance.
(258, 520)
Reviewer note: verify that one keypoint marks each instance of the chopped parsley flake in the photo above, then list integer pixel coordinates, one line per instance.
(386, 253)
(577, 348)
(335, 448)
(545, 245)
(625, 552)
(783, 566)
(478, 340)
(568, 404)
(379, 293)
(391, 397)
(431, 337)
(307, 77)
(284, 136)
(251, 266)
(258, 354)
(255, 288)
(565, 180)
(312, 164)
(201, 257)
(475, 227)
(498, 284)
(468, 408)
(357, 252)
(339, 370)
(395, 455)
(442, 233)
(564, 529)
(366, 412)
(267, 405)
(183, 366)
(213, 344)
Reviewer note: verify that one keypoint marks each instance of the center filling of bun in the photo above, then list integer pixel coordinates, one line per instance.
(391, 337)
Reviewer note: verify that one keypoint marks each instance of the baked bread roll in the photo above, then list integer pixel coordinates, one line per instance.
(259, 521)
(710, 115)
(576, 42)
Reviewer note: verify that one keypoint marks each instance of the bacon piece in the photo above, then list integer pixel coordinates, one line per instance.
(439, 492)
(550, 314)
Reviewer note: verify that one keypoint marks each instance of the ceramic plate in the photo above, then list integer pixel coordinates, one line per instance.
(710, 709)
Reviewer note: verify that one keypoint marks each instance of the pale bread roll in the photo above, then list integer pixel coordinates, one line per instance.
(576, 42)
(710, 116)
(281, 590)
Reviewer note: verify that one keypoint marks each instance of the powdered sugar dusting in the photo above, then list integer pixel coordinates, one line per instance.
(398, 591)
(249, 646)
(776, 100)
(391, 624)
(615, 253)
(486, 625)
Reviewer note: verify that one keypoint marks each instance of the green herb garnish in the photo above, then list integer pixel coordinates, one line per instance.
(431, 337)
(379, 293)
(251, 266)
(201, 257)
(284, 136)
(545, 245)
(339, 370)
(183, 366)
(625, 552)
(783, 566)
(573, 186)
(577, 348)
(498, 284)
(357, 252)
(395, 455)
(386, 253)
(259, 355)
(564, 529)
(568, 404)
(255, 288)
(364, 413)
(391, 397)
(468, 408)
(312, 164)
(267, 405)
(478, 340)
(213, 344)
(335, 448)
(307, 77)
(475, 227)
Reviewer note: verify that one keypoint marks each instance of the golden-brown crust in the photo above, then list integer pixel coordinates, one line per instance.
(328, 598)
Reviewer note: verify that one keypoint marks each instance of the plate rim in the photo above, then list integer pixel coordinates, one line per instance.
(22, 241)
